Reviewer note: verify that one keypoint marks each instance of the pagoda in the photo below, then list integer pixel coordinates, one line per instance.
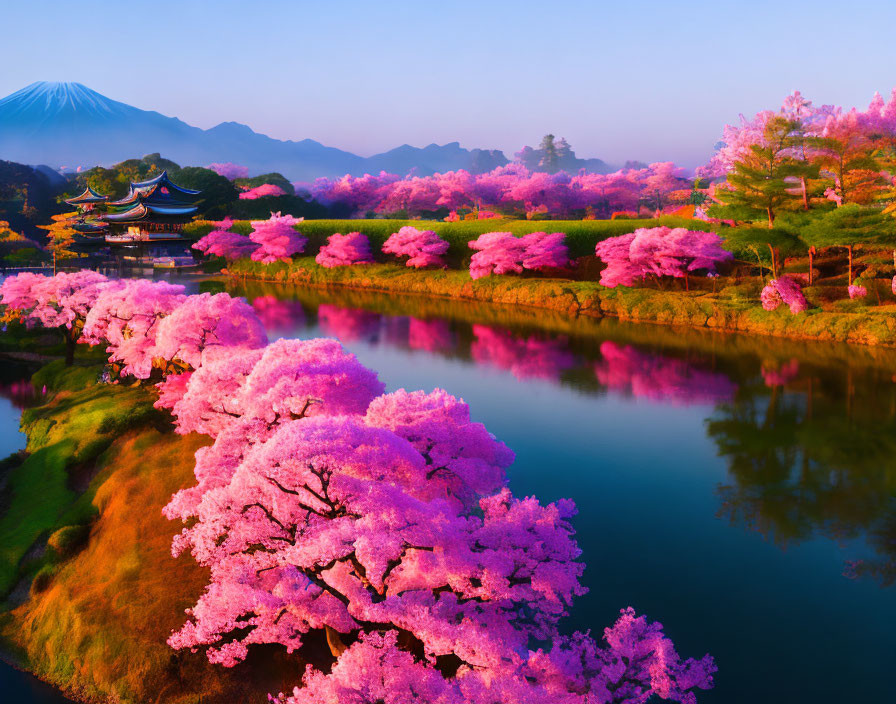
(89, 228)
(152, 210)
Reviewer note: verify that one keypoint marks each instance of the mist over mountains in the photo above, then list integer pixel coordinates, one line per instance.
(70, 125)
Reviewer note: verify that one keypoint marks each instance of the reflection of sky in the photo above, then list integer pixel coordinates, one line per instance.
(645, 475)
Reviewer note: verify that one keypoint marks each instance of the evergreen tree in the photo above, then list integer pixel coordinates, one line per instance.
(761, 182)
(550, 158)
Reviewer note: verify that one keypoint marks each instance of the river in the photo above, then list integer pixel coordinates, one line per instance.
(740, 490)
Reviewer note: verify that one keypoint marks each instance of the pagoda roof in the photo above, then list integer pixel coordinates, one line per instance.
(143, 212)
(90, 226)
(162, 180)
(88, 196)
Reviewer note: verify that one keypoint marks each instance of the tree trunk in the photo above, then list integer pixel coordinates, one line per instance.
(805, 193)
(774, 262)
(811, 263)
(337, 647)
(70, 345)
(849, 250)
(771, 217)
(686, 288)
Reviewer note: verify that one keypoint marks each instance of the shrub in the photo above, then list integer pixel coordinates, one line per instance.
(68, 541)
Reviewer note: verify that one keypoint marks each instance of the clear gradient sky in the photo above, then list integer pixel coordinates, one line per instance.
(633, 79)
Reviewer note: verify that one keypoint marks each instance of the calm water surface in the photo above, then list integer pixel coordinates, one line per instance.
(741, 491)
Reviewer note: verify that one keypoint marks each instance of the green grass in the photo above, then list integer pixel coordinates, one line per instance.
(71, 430)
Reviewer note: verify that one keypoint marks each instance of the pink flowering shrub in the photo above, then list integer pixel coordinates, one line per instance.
(277, 238)
(344, 250)
(424, 248)
(657, 252)
(857, 291)
(220, 242)
(265, 190)
(785, 290)
(229, 170)
(503, 253)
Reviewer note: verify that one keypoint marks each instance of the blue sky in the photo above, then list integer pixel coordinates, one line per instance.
(633, 79)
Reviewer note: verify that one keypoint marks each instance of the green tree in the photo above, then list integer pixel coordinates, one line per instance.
(550, 158)
(850, 226)
(218, 193)
(762, 182)
(765, 245)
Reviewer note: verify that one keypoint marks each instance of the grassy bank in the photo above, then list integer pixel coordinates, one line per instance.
(83, 519)
(732, 307)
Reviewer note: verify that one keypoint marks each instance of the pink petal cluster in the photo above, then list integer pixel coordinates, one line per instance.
(221, 242)
(344, 250)
(503, 253)
(56, 301)
(424, 248)
(784, 289)
(265, 190)
(857, 291)
(657, 252)
(229, 170)
(277, 238)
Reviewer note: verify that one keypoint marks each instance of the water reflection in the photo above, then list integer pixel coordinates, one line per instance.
(807, 432)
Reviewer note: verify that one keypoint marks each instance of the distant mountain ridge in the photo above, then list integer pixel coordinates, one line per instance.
(70, 125)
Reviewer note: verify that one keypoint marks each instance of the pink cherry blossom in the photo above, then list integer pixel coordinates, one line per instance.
(424, 248)
(265, 190)
(344, 250)
(277, 238)
(784, 289)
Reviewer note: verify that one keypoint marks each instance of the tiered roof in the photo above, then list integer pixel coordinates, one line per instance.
(88, 197)
(158, 198)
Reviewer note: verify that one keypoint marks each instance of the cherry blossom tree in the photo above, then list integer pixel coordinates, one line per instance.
(344, 250)
(277, 238)
(658, 252)
(786, 290)
(265, 190)
(229, 170)
(221, 242)
(204, 322)
(503, 252)
(543, 250)
(424, 248)
(61, 301)
(126, 318)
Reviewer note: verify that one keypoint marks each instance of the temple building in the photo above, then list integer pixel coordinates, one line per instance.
(154, 209)
(88, 200)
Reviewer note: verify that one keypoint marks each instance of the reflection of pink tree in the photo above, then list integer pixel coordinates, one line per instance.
(782, 374)
(348, 324)
(430, 335)
(525, 357)
(628, 370)
(344, 250)
(20, 393)
(278, 315)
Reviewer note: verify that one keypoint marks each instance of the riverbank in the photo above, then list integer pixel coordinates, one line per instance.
(732, 307)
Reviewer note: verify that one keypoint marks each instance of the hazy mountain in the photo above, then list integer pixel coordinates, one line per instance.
(70, 125)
